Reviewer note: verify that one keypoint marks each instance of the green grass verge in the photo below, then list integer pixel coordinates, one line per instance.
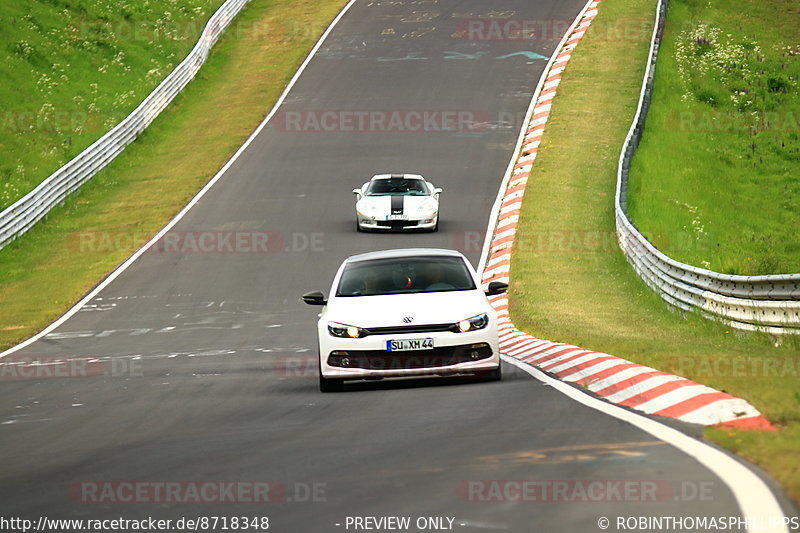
(45, 272)
(727, 99)
(570, 282)
(73, 69)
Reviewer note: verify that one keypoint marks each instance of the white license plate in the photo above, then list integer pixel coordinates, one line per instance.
(396, 217)
(406, 345)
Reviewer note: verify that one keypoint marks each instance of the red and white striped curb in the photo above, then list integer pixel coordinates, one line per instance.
(617, 380)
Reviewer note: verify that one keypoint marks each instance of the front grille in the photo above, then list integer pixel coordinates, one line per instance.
(422, 328)
(383, 360)
(396, 223)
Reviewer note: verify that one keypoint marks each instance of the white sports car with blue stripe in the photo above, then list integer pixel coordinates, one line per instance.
(397, 202)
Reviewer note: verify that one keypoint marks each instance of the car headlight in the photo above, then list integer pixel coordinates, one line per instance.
(474, 323)
(345, 331)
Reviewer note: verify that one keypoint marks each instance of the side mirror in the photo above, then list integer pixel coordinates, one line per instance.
(437, 190)
(356, 191)
(315, 298)
(496, 287)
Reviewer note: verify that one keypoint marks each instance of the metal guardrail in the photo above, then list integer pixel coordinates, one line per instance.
(764, 303)
(28, 210)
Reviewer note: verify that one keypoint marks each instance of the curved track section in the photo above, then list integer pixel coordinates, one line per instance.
(196, 365)
(619, 381)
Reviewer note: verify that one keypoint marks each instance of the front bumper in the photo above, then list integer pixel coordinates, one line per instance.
(453, 353)
(397, 225)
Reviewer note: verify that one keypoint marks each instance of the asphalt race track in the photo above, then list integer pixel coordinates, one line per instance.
(207, 357)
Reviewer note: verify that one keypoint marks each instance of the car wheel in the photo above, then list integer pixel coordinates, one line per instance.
(358, 227)
(490, 375)
(436, 227)
(330, 385)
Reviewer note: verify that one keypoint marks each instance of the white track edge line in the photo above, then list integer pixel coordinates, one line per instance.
(755, 499)
(128, 262)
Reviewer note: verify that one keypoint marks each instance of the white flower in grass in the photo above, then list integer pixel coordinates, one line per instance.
(122, 99)
(152, 75)
(46, 109)
(23, 49)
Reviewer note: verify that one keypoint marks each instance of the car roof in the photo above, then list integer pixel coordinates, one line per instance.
(405, 252)
(405, 176)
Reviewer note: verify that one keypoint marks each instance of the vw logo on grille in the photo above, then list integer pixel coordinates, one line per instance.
(408, 319)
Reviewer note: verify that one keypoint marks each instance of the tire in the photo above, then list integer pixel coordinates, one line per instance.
(436, 227)
(330, 385)
(358, 227)
(490, 375)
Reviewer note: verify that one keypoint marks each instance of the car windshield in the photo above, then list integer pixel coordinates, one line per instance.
(405, 275)
(397, 187)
